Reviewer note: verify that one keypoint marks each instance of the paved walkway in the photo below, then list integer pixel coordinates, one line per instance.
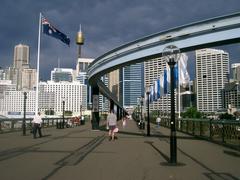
(80, 153)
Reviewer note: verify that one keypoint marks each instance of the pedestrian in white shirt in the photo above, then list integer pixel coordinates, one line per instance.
(158, 120)
(37, 122)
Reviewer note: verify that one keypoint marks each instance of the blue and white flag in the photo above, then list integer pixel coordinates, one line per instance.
(166, 75)
(158, 89)
(155, 90)
(176, 75)
(50, 30)
(161, 85)
(151, 93)
(184, 77)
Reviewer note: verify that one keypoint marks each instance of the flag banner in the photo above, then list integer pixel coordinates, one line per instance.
(184, 77)
(155, 90)
(50, 30)
(165, 84)
(158, 89)
(161, 85)
(176, 75)
(151, 94)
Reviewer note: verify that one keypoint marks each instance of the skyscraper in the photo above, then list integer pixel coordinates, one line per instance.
(212, 70)
(21, 74)
(131, 84)
(236, 71)
(21, 56)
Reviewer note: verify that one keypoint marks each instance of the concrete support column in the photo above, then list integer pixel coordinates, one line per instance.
(95, 107)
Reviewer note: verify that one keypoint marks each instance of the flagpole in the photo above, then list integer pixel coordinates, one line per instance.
(38, 57)
(179, 116)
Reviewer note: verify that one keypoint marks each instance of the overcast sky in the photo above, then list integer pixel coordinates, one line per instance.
(106, 24)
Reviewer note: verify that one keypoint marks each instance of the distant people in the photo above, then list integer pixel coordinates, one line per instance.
(37, 123)
(158, 120)
(112, 124)
(124, 121)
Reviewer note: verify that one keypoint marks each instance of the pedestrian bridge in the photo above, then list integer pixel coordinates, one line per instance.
(80, 153)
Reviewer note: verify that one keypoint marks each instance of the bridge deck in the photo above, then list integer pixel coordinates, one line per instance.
(80, 153)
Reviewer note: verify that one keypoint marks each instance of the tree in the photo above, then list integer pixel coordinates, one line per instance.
(68, 113)
(192, 113)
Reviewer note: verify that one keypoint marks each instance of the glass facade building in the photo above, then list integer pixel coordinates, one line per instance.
(131, 84)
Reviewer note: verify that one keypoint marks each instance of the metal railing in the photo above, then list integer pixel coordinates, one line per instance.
(11, 125)
(224, 132)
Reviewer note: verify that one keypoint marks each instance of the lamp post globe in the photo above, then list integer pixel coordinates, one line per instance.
(172, 54)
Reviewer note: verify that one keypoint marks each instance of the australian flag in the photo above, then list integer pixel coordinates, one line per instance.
(52, 31)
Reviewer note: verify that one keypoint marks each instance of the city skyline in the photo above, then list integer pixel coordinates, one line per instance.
(112, 29)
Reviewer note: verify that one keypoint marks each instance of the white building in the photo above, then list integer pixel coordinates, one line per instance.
(212, 70)
(82, 64)
(13, 103)
(73, 93)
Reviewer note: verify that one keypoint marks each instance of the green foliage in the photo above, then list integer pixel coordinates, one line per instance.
(226, 116)
(191, 113)
(68, 113)
(49, 112)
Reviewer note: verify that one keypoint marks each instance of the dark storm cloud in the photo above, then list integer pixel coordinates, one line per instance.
(106, 24)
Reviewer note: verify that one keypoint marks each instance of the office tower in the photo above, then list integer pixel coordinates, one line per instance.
(212, 70)
(153, 69)
(21, 56)
(3, 74)
(103, 101)
(28, 79)
(21, 74)
(236, 71)
(62, 74)
(131, 84)
(113, 82)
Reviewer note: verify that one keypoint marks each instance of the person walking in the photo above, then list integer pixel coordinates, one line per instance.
(37, 122)
(124, 121)
(112, 124)
(158, 120)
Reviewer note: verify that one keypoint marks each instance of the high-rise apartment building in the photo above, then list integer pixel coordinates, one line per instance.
(212, 70)
(236, 71)
(131, 84)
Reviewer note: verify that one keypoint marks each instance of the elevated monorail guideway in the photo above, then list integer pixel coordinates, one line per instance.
(212, 32)
(204, 34)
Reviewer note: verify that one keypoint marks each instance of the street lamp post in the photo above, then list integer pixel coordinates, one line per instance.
(172, 54)
(24, 113)
(63, 103)
(148, 118)
(138, 109)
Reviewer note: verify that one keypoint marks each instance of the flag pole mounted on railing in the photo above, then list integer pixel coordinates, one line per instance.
(48, 29)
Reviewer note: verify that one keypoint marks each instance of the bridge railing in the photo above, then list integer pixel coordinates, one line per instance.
(224, 132)
(10, 125)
